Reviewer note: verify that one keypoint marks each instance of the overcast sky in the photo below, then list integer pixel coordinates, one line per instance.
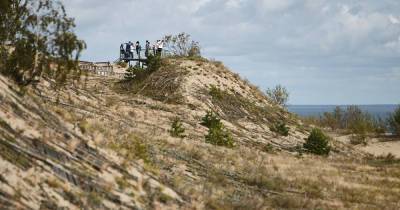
(323, 51)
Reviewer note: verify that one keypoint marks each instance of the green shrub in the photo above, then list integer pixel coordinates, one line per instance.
(177, 129)
(210, 119)
(359, 130)
(280, 128)
(394, 121)
(317, 143)
(216, 93)
(141, 150)
(136, 73)
(217, 134)
(154, 63)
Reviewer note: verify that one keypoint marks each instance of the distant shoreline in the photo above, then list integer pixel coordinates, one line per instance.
(377, 110)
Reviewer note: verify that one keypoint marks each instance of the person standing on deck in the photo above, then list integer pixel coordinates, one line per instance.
(160, 45)
(132, 50)
(138, 49)
(146, 53)
(122, 51)
(155, 47)
(128, 49)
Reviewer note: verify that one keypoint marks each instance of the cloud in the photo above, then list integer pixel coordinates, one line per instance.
(322, 48)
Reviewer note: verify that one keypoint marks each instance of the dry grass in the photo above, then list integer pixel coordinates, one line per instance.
(235, 106)
(209, 177)
(221, 178)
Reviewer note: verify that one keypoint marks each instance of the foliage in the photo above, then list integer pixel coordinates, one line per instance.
(217, 134)
(279, 95)
(210, 119)
(358, 139)
(132, 147)
(182, 45)
(84, 126)
(352, 120)
(122, 64)
(216, 92)
(317, 143)
(280, 128)
(177, 129)
(357, 121)
(394, 121)
(382, 160)
(235, 106)
(37, 39)
(135, 73)
(154, 63)
(360, 128)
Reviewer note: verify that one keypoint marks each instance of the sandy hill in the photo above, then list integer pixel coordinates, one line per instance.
(105, 144)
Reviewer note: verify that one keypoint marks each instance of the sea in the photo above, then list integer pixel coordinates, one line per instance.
(382, 111)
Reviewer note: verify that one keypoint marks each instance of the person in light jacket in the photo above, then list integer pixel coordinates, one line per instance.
(132, 50)
(160, 45)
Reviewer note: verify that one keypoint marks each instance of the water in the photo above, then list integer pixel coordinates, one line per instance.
(381, 111)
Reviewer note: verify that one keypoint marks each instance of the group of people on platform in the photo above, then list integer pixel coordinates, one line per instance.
(127, 49)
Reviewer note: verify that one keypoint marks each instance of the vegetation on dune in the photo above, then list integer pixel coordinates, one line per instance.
(137, 74)
(177, 129)
(210, 119)
(181, 45)
(236, 106)
(131, 148)
(240, 178)
(122, 64)
(394, 121)
(278, 95)
(317, 143)
(217, 133)
(351, 120)
(159, 81)
(36, 40)
(280, 128)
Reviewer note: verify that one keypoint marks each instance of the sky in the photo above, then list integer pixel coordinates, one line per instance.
(322, 51)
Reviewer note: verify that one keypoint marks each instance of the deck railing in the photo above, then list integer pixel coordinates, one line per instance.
(142, 56)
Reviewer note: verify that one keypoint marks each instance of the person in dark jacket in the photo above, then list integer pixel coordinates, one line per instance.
(146, 53)
(122, 51)
(138, 48)
(129, 49)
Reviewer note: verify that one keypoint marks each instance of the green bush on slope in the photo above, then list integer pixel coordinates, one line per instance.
(280, 128)
(317, 143)
(177, 129)
(217, 134)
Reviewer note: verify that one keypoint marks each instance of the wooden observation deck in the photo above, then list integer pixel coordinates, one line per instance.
(141, 58)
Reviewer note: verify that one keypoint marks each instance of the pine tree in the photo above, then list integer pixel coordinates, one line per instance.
(317, 143)
(36, 40)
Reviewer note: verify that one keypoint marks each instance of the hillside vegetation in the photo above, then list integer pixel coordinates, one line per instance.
(148, 143)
